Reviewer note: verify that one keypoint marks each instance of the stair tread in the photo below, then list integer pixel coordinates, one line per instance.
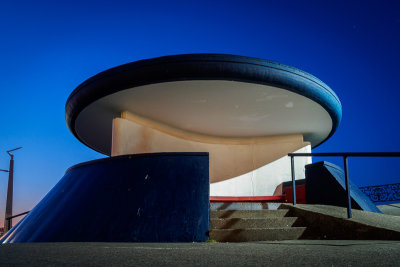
(260, 219)
(255, 211)
(236, 223)
(248, 213)
(244, 205)
(253, 225)
(260, 228)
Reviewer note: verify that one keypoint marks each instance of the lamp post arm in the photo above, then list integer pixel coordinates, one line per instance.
(11, 155)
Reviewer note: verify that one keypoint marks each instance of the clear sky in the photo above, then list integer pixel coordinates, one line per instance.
(47, 48)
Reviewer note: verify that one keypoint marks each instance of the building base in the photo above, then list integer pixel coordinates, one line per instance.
(160, 197)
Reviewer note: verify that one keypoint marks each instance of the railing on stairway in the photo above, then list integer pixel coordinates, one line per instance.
(8, 219)
(344, 155)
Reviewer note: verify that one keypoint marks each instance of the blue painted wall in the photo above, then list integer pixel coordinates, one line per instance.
(159, 197)
(325, 184)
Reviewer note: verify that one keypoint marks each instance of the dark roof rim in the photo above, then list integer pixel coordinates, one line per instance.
(334, 108)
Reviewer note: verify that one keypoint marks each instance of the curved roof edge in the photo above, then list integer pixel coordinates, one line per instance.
(202, 67)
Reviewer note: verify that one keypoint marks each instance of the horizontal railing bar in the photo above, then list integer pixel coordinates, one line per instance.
(11, 217)
(347, 154)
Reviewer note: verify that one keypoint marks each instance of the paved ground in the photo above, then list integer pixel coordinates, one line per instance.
(390, 209)
(276, 253)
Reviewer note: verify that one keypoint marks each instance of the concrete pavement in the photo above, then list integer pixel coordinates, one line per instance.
(271, 253)
(390, 209)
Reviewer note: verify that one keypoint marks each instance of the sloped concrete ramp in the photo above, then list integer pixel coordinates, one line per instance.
(331, 222)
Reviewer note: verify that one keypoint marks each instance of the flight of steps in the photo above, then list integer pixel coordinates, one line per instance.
(250, 223)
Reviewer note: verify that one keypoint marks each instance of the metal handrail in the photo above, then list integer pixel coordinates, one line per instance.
(8, 219)
(345, 155)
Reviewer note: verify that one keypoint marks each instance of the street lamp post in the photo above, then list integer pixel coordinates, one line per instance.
(7, 223)
(4, 218)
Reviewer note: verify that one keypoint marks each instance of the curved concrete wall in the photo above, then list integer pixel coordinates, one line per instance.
(229, 157)
(134, 198)
(264, 180)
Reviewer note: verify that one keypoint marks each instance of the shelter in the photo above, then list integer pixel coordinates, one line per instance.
(156, 118)
(248, 113)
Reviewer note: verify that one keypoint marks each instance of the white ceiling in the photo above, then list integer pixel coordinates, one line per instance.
(209, 107)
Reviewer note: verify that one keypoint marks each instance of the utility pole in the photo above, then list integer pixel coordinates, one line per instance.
(10, 190)
(4, 218)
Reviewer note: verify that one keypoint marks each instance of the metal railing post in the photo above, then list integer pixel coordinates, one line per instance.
(346, 177)
(345, 155)
(293, 180)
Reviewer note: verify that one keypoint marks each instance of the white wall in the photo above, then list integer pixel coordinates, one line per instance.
(264, 180)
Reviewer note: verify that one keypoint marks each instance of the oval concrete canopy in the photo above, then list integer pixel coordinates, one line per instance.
(215, 95)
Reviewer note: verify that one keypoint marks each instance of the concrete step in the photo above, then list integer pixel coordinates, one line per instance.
(244, 205)
(256, 234)
(254, 214)
(242, 223)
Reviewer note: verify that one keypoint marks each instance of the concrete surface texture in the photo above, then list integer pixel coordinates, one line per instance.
(272, 253)
(253, 225)
(331, 222)
(308, 222)
(364, 217)
(390, 209)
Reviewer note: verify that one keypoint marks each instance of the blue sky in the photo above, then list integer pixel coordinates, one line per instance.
(47, 48)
